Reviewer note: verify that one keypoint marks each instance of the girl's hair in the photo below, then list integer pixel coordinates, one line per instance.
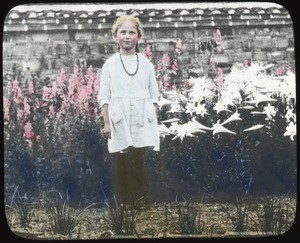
(122, 19)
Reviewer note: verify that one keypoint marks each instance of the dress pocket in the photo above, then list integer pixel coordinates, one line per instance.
(116, 114)
(150, 112)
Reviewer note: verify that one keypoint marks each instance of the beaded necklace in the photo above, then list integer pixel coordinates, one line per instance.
(137, 65)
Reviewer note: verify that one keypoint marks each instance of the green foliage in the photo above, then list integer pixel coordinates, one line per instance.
(63, 217)
(189, 221)
(274, 215)
(22, 206)
(122, 218)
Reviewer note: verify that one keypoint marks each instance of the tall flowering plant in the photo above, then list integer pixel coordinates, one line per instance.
(215, 73)
(53, 126)
(168, 71)
(218, 40)
(65, 100)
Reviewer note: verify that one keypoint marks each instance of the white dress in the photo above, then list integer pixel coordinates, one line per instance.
(130, 101)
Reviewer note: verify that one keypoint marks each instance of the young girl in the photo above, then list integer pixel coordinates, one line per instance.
(128, 98)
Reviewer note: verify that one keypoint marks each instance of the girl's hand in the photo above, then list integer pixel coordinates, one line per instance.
(106, 130)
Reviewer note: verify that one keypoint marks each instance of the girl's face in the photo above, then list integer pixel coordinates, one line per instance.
(127, 37)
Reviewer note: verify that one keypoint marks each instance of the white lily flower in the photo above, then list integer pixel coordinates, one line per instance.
(234, 117)
(164, 131)
(219, 106)
(270, 111)
(187, 129)
(218, 128)
(255, 127)
(201, 110)
(164, 101)
(291, 130)
(198, 125)
(290, 115)
(260, 98)
(171, 120)
(175, 108)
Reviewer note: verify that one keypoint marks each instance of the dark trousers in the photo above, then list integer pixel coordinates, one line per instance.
(130, 180)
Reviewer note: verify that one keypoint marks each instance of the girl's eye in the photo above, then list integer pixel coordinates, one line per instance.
(124, 32)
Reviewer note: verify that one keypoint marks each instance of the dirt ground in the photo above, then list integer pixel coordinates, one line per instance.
(164, 220)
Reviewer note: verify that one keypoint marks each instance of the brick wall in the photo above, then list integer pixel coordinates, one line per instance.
(44, 42)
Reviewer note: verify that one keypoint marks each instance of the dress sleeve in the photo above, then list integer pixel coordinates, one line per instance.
(104, 90)
(153, 86)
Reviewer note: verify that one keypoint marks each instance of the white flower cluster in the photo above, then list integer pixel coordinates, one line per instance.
(249, 88)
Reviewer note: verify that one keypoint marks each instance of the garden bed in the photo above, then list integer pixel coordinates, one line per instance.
(168, 220)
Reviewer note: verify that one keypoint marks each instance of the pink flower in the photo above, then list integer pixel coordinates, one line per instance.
(30, 87)
(86, 106)
(245, 63)
(166, 78)
(74, 84)
(58, 85)
(165, 83)
(220, 77)
(218, 37)
(6, 106)
(96, 84)
(62, 110)
(53, 90)
(165, 59)
(159, 67)
(89, 77)
(174, 66)
(71, 91)
(178, 46)
(187, 84)
(288, 69)
(28, 130)
(46, 93)
(17, 92)
(26, 112)
(279, 72)
(15, 86)
(19, 96)
(51, 111)
(61, 78)
(83, 95)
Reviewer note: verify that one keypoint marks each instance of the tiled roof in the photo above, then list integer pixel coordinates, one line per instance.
(181, 17)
